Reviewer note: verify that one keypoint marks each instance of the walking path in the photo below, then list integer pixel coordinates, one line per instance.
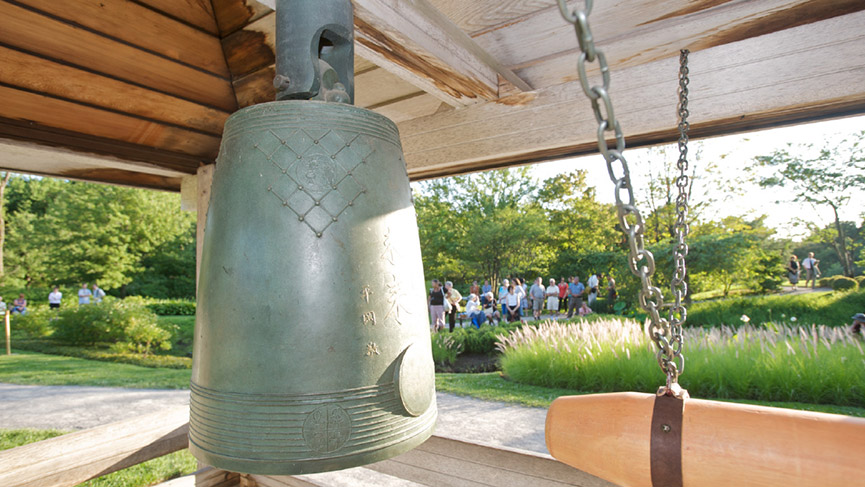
(78, 407)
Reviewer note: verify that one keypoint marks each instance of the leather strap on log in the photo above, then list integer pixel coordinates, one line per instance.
(666, 442)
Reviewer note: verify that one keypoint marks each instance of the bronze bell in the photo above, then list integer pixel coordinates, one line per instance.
(312, 348)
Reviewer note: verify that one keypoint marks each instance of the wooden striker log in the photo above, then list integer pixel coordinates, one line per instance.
(723, 444)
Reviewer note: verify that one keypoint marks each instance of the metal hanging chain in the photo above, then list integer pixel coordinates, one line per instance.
(640, 261)
(678, 286)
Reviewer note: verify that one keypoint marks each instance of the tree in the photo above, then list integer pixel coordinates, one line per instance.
(482, 225)
(63, 232)
(3, 183)
(822, 177)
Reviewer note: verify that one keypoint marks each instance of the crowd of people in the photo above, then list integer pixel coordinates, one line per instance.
(512, 299)
(55, 297)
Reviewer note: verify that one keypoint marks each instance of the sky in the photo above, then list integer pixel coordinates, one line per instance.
(738, 152)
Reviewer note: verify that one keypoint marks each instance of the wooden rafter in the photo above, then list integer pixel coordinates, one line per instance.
(787, 76)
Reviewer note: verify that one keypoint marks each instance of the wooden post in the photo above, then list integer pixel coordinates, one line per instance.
(205, 179)
(8, 335)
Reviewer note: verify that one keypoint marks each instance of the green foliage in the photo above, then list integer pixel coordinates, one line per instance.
(768, 271)
(842, 283)
(445, 349)
(35, 323)
(171, 307)
(67, 232)
(825, 176)
(481, 340)
(830, 308)
(493, 387)
(40, 369)
(128, 322)
(860, 280)
(770, 364)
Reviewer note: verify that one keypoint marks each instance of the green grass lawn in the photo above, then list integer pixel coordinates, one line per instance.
(39, 369)
(493, 387)
(148, 473)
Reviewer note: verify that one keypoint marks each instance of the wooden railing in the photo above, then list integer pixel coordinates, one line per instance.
(70, 459)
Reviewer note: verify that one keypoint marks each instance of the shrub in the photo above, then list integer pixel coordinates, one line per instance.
(113, 321)
(815, 364)
(445, 349)
(842, 283)
(35, 323)
(171, 307)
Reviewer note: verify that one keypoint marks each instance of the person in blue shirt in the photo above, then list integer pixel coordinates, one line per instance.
(486, 287)
(575, 298)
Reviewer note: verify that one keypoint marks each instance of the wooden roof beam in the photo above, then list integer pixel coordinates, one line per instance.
(794, 75)
(417, 43)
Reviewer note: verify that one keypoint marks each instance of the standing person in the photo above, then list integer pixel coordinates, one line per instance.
(19, 305)
(512, 304)
(503, 291)
(98, 294)
(575, 301)
(592, 285)
(84, 295)
(811, 269)
(523, 291)
(611, 292)
(793, 271)
(475, 289)
(54, 298)
(487, 288)
(2, 306)
(454, 297)
(553, 298)
(436, 303)
(537, 292)
(563, 295)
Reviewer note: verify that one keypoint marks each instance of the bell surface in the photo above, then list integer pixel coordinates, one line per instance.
(312, 345)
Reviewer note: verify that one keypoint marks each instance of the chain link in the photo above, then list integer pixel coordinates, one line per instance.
(666, 332)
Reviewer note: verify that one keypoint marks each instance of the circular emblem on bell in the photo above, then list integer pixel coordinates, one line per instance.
(415, 379)
(327, 428)
(316, 172)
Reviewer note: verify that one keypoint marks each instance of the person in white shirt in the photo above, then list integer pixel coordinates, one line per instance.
(98, 294)
(474, 311)
(512, 303)
(54, 298)
(84, 295)
(592, 284)
(812, 269)
(552, 294)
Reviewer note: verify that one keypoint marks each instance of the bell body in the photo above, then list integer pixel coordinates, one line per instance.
(312, 348)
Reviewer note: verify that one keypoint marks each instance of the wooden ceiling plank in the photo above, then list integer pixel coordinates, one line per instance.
(31, 158)
(542, 48)
(792, 75)
(40, 75)
(144, 28)
(195, 12)
(418, 43)
(33, 32)
(378, 86)
(53, 112)
(409, 108)
(233, 15)
(478, 16)
(251, 48)
(59, 139)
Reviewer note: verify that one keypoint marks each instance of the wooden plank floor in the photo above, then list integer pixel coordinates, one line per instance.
(440, 462)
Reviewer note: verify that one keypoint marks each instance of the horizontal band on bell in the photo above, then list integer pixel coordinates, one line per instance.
(299, 427)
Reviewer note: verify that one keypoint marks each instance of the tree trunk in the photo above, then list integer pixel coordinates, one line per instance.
(3, 184)
(840, 249)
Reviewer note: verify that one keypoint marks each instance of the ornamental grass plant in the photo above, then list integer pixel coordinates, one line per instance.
(774, 362)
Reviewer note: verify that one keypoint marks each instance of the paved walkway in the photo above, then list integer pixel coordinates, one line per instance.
(78, 407)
